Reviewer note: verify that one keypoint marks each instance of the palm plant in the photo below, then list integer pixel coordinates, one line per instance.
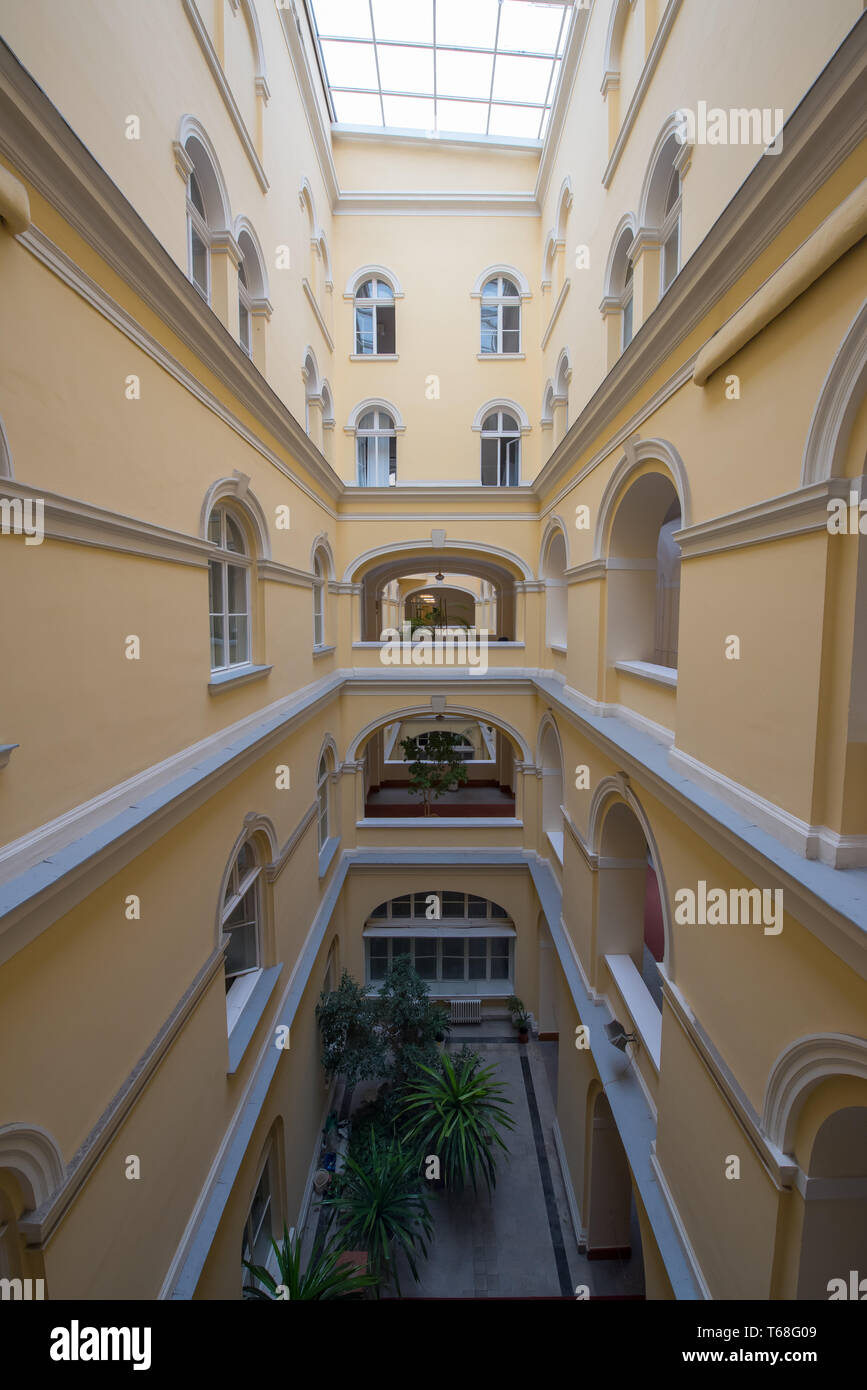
(381, 1208)
(456, 1112)
(323, 1277)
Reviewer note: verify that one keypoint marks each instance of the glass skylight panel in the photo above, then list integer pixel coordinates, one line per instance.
(467, 23)
(474, 67)
(462, 117)
(464, 74)
(521, 79)
(357, 108)
(531, 28)
(343, 18)
(409, 113)
(405, 69)
(406, 21)
(350, 65)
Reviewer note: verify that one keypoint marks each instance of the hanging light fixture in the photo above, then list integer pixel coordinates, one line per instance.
(439, 577)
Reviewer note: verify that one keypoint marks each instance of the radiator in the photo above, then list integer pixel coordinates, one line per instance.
(466, 1010)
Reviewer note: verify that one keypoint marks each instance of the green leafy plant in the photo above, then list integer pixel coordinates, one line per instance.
(457, 1112)
(324, 1277)
(381, 1208)
(435, 768)
(409, 1020)
(352, 1043)
(520, 1017)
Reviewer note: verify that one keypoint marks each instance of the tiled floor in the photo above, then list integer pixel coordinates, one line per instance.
(519, 1242)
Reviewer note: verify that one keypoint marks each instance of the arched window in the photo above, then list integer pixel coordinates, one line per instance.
(252, 292)
(458, 940)
(231, 622)
(241, 921)
(626, 308)
(323, 801)
(501, 316)
(198, 239)
(376, 449)
(501, 450)
(319, 582)
(312, 392)
(670, 234)
(260, 1227)
(374, 318)
(667, 589)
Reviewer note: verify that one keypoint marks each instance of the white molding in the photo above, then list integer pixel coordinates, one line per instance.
(801, 1067)
(383, 203)
(34, 1157)
(811, 841)
(555, 312)
(56, 260)
(839, 400)
(308, 86)
(653, 57)
(373, 403)
(502, 403)
(679, 1226)
(501, 268)
(365, 272)
(646, 1018)
(579, 1231)
(776, 518)
(204, 41)
(648, 671)
(637, 452)
(429, 543)
(317, 312)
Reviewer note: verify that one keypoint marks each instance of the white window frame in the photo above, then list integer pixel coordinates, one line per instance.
(318, 603)
(377, 432)
(670, 227)
(627, 302)
(501, 301)
(243, 983)
(196, 223)
(373, 302)
(501, 435)
(240, 560)
(323, 802)
(250, 1237)
(438, 942)
(245, 308)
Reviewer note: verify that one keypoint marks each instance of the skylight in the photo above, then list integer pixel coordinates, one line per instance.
(468, 67)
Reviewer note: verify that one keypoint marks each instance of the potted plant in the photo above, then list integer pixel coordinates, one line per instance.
(520, 1017)
(435, 769)
(457, 1113)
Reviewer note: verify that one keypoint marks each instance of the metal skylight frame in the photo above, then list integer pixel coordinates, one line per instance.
(372, 44)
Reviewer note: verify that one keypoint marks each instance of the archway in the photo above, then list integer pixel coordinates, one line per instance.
(609, 1186)
(834, 1231)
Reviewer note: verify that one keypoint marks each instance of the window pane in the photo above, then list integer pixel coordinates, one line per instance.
(402, 907)
(401, 946)
(500, 968)
(489, 289)
(627, 323)
(476, 907)
(234, 536)
(246, 859)
(489, 329)
(365, 290)
(383, 291)
(378, 959)
(242, 951)
(199, 265)
(426, 957)
(236, 585)
(453, 959)
(511, 340)
(214, 523)
(196, 196)
(244, 326)
(509, 288)
(510, 424)
(237, 640)
(497, 911)
(381, 911)
(215, 585)
(477, 947)
(363, 329)
(478, 961)
(218, 643)
(511, 316)
(453, 904)
(490, 456)
(385, 328)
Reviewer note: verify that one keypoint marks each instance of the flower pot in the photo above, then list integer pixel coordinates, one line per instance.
(523, 1035)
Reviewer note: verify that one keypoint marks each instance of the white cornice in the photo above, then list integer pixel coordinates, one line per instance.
(793, 514)
(317, 312)
(216, 67)
(820, 134)
(320, 132)
(565, 82)
(65, 268)
(555, 312)
(659, 39)
(383, 203)
(37, 141)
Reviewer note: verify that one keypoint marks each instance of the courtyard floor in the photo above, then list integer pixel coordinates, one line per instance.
(519, 1242)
